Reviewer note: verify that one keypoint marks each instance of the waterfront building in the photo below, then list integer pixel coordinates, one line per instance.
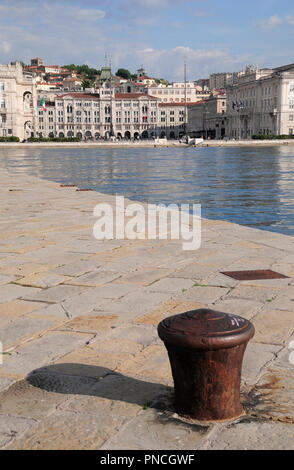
(18, 102)
(207, 118)
(261, 102)
(172, 120)
(100, 115)
(46, 121)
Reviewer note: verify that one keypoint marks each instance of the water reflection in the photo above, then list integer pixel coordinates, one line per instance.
(250, 186)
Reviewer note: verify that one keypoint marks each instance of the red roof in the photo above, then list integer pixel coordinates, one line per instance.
(172, 103)
(129, 96)
(72, 80)
(80, 96)
(144, 77)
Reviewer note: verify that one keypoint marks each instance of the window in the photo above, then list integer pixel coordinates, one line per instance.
(1, 86)
(3, 118)
(2, 103)
(291, 117)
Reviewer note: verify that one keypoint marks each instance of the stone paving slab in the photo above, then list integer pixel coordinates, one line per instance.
(11, 427)
(84, 367)
(12, 291)
(255, 435)
(24, 328)
(154, 430)
(37, 353)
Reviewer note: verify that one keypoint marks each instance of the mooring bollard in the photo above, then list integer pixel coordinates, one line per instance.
(206, 350)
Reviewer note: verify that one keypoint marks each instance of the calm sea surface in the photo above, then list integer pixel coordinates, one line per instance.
(249, 186)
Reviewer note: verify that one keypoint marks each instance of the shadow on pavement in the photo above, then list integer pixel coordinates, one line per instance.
(81, 379)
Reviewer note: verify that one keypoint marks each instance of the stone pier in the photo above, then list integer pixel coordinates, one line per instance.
(82, 365)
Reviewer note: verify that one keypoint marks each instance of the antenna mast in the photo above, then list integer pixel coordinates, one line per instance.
(185, 79)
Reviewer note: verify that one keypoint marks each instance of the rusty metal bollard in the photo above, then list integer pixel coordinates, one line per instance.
(206, 350)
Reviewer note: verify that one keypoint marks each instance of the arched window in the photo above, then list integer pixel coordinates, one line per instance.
(27, 101)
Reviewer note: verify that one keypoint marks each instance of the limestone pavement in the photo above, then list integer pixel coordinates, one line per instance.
(82, 364)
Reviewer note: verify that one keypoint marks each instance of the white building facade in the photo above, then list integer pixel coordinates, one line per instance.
(261, 103)
(207, 118)
(178, 92)
(18, 102)
(101, 115)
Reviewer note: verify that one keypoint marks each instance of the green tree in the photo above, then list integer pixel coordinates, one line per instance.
(124, 73)
(87, 83)
(84, 70)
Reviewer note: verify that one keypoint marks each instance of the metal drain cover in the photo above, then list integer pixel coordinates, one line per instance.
(254, 275)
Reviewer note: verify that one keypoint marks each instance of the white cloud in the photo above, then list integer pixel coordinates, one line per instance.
(5, 47)
(200, 62)
(88, 14)
(275, 20)
(63, 35)
(290, 19)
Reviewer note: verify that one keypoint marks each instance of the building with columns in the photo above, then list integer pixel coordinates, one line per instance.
(100, 115)
(18, 102)
(261, 102)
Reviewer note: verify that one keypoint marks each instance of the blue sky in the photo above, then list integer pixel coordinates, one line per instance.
(214, 35)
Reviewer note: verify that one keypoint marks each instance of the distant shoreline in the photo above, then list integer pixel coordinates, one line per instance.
(149, 144)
